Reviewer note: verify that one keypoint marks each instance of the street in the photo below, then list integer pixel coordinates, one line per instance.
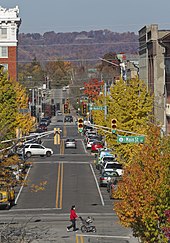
(54, 184)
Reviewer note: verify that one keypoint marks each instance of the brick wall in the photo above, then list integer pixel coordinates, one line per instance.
(11, 61)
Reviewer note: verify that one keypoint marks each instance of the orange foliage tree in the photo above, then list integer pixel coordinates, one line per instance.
(92, 88)
(144, 189)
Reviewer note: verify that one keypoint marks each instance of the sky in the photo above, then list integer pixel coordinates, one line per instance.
(40, 16)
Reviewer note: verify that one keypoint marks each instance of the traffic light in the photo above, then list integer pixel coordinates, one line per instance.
(80, 124)
(53, 110)
(113, 124)
(65, 108)
(84, 109)
(33, 110)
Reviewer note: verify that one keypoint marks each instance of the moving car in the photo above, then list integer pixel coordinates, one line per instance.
(68, 119)
(46, 120)
(106, 176)
(59, 113)
(60, 120)
(31, 149)
(70, 143)
(42, 127)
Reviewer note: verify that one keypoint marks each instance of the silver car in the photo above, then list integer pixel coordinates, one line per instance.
(106, 177)
(70, 143)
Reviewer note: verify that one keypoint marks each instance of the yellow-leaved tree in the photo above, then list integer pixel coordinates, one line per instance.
(13, 100)
(131, 105)
(145, 190)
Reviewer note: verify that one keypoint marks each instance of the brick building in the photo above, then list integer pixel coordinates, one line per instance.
(9, 27)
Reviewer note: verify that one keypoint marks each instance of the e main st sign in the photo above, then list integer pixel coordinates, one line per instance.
(130, 139)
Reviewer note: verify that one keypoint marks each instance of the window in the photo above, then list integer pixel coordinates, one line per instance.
(36, 146)
(3, 51)
(5, 66)
(3, 33)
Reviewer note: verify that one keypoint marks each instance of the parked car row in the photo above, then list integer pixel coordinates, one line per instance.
(92, 139)
(110, 170)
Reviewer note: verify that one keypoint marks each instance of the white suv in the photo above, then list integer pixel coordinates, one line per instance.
(36, 149)
(112, 166)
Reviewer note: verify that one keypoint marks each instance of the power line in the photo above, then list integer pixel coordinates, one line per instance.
(79, 44)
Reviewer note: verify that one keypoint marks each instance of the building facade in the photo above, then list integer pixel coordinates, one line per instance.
(9, 28)
(152, 70)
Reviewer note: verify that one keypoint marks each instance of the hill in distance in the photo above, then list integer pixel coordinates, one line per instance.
(75, 46)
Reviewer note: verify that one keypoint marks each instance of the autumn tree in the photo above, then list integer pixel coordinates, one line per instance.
(144, 189)
(12, 100)
(31, 74)
(131, 105)
(58, 72)
(92, 88)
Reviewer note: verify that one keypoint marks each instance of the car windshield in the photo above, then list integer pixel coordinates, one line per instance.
(110, 174)
(108, 159)
(114, 166)
(70, 140)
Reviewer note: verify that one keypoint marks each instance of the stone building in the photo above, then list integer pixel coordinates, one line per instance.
(153, 67)
(9, 27)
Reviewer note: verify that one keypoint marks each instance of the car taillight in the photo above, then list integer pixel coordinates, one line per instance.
(101, 178)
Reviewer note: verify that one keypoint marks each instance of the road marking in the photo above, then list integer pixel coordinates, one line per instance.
(100, 194)
(64, 161)
(84, 147)
(81, 238)
(19, 193)
(105, 236)
(62, 147)
(59, 191)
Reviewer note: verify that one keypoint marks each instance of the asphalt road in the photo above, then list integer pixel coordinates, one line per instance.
(56, 183)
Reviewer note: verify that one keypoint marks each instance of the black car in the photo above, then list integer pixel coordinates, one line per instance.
(68, 119)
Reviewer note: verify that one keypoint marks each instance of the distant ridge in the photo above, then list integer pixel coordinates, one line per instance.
(75, 46)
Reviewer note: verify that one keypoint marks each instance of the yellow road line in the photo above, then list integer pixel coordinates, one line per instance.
(61, 185)
(62, 147)
(59, 191)
(81, 238)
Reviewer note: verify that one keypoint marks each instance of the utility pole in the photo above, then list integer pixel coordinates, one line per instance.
(105, 94)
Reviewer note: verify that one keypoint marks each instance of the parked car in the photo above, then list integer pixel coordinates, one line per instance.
(106, 176)
(31, 149)
(70, 143)
(90, 142)
(104, 157)
(111, 166)
(96, 146)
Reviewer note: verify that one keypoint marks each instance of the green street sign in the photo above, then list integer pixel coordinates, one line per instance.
(130, 139)
(97, 108)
